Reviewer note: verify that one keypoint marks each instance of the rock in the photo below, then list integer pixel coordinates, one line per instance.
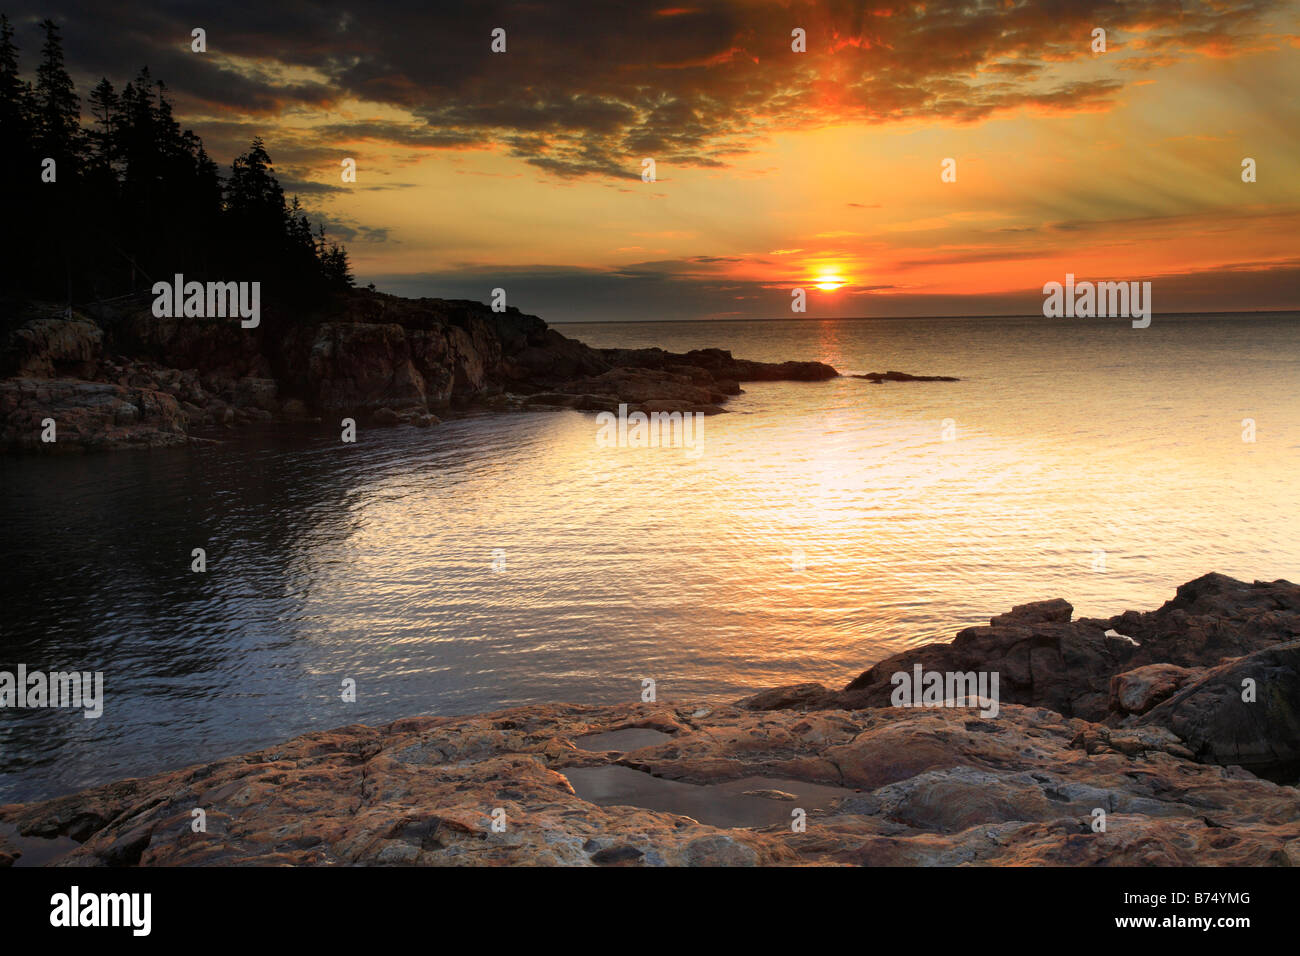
(1212, 618)
(1043, 658)
(878, 377)
(48, 348)
(87, 416)
(1040, 660)
(361, 351)
(210, 346)
(362, 367)
(257, 393)
(902, 786)
(1218, 725)
(615, 855)
(933, 791)
(126, 414)
(385, 417)
(1056, 610)
(668, 390)
(1138, 690)
(787, 697)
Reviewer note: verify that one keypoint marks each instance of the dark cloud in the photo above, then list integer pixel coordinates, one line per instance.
(591, 88)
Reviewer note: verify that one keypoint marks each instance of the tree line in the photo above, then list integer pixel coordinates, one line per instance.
(97, 212)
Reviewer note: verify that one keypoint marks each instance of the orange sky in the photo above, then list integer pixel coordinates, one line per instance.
(775, 169)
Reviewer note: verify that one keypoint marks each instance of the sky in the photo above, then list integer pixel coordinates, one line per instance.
(773, 169)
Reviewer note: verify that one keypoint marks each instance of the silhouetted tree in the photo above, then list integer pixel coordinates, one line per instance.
(58, 109)
(135, 197)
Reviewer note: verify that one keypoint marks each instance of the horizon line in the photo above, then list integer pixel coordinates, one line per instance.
(895, 318)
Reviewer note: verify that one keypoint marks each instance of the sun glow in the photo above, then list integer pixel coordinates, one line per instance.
(829, 281)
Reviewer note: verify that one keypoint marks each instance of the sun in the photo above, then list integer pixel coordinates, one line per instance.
(829, 281)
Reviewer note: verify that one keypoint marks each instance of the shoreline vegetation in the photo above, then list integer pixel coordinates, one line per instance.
(1167, 737)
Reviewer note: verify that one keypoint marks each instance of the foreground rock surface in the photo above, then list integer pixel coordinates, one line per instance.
(559, 784)
(380, 359)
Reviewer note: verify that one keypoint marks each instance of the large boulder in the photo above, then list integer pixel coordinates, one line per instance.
(1138, 690)
(1244, 712)
(48, 348)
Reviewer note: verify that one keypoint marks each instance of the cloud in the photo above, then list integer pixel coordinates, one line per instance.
(589, 89)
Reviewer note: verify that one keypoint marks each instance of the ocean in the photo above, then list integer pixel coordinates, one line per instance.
(502, 559)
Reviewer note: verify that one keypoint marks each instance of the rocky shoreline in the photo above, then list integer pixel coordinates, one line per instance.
(1141, 720)
(117, 376)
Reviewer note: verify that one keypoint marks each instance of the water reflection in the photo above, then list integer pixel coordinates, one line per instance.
(373, 561)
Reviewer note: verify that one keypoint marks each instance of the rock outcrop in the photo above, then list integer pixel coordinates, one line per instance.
(382, 359)
(713, 784)
(87, 415)
(877, 378)
(1045, 659)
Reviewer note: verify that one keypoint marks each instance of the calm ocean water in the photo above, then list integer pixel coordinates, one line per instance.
(820, 528)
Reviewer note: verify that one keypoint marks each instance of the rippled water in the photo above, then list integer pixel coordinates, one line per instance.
(374, 561)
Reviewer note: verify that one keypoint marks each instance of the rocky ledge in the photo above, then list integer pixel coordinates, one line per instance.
(117, 376)
(1145, 730)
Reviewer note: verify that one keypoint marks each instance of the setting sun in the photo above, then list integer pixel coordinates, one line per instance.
(830, 281)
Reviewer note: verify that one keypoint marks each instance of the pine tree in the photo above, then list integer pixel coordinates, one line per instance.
(135, 197)
(15, 95)
(338, 271)
(58, 111)
(104, 106)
